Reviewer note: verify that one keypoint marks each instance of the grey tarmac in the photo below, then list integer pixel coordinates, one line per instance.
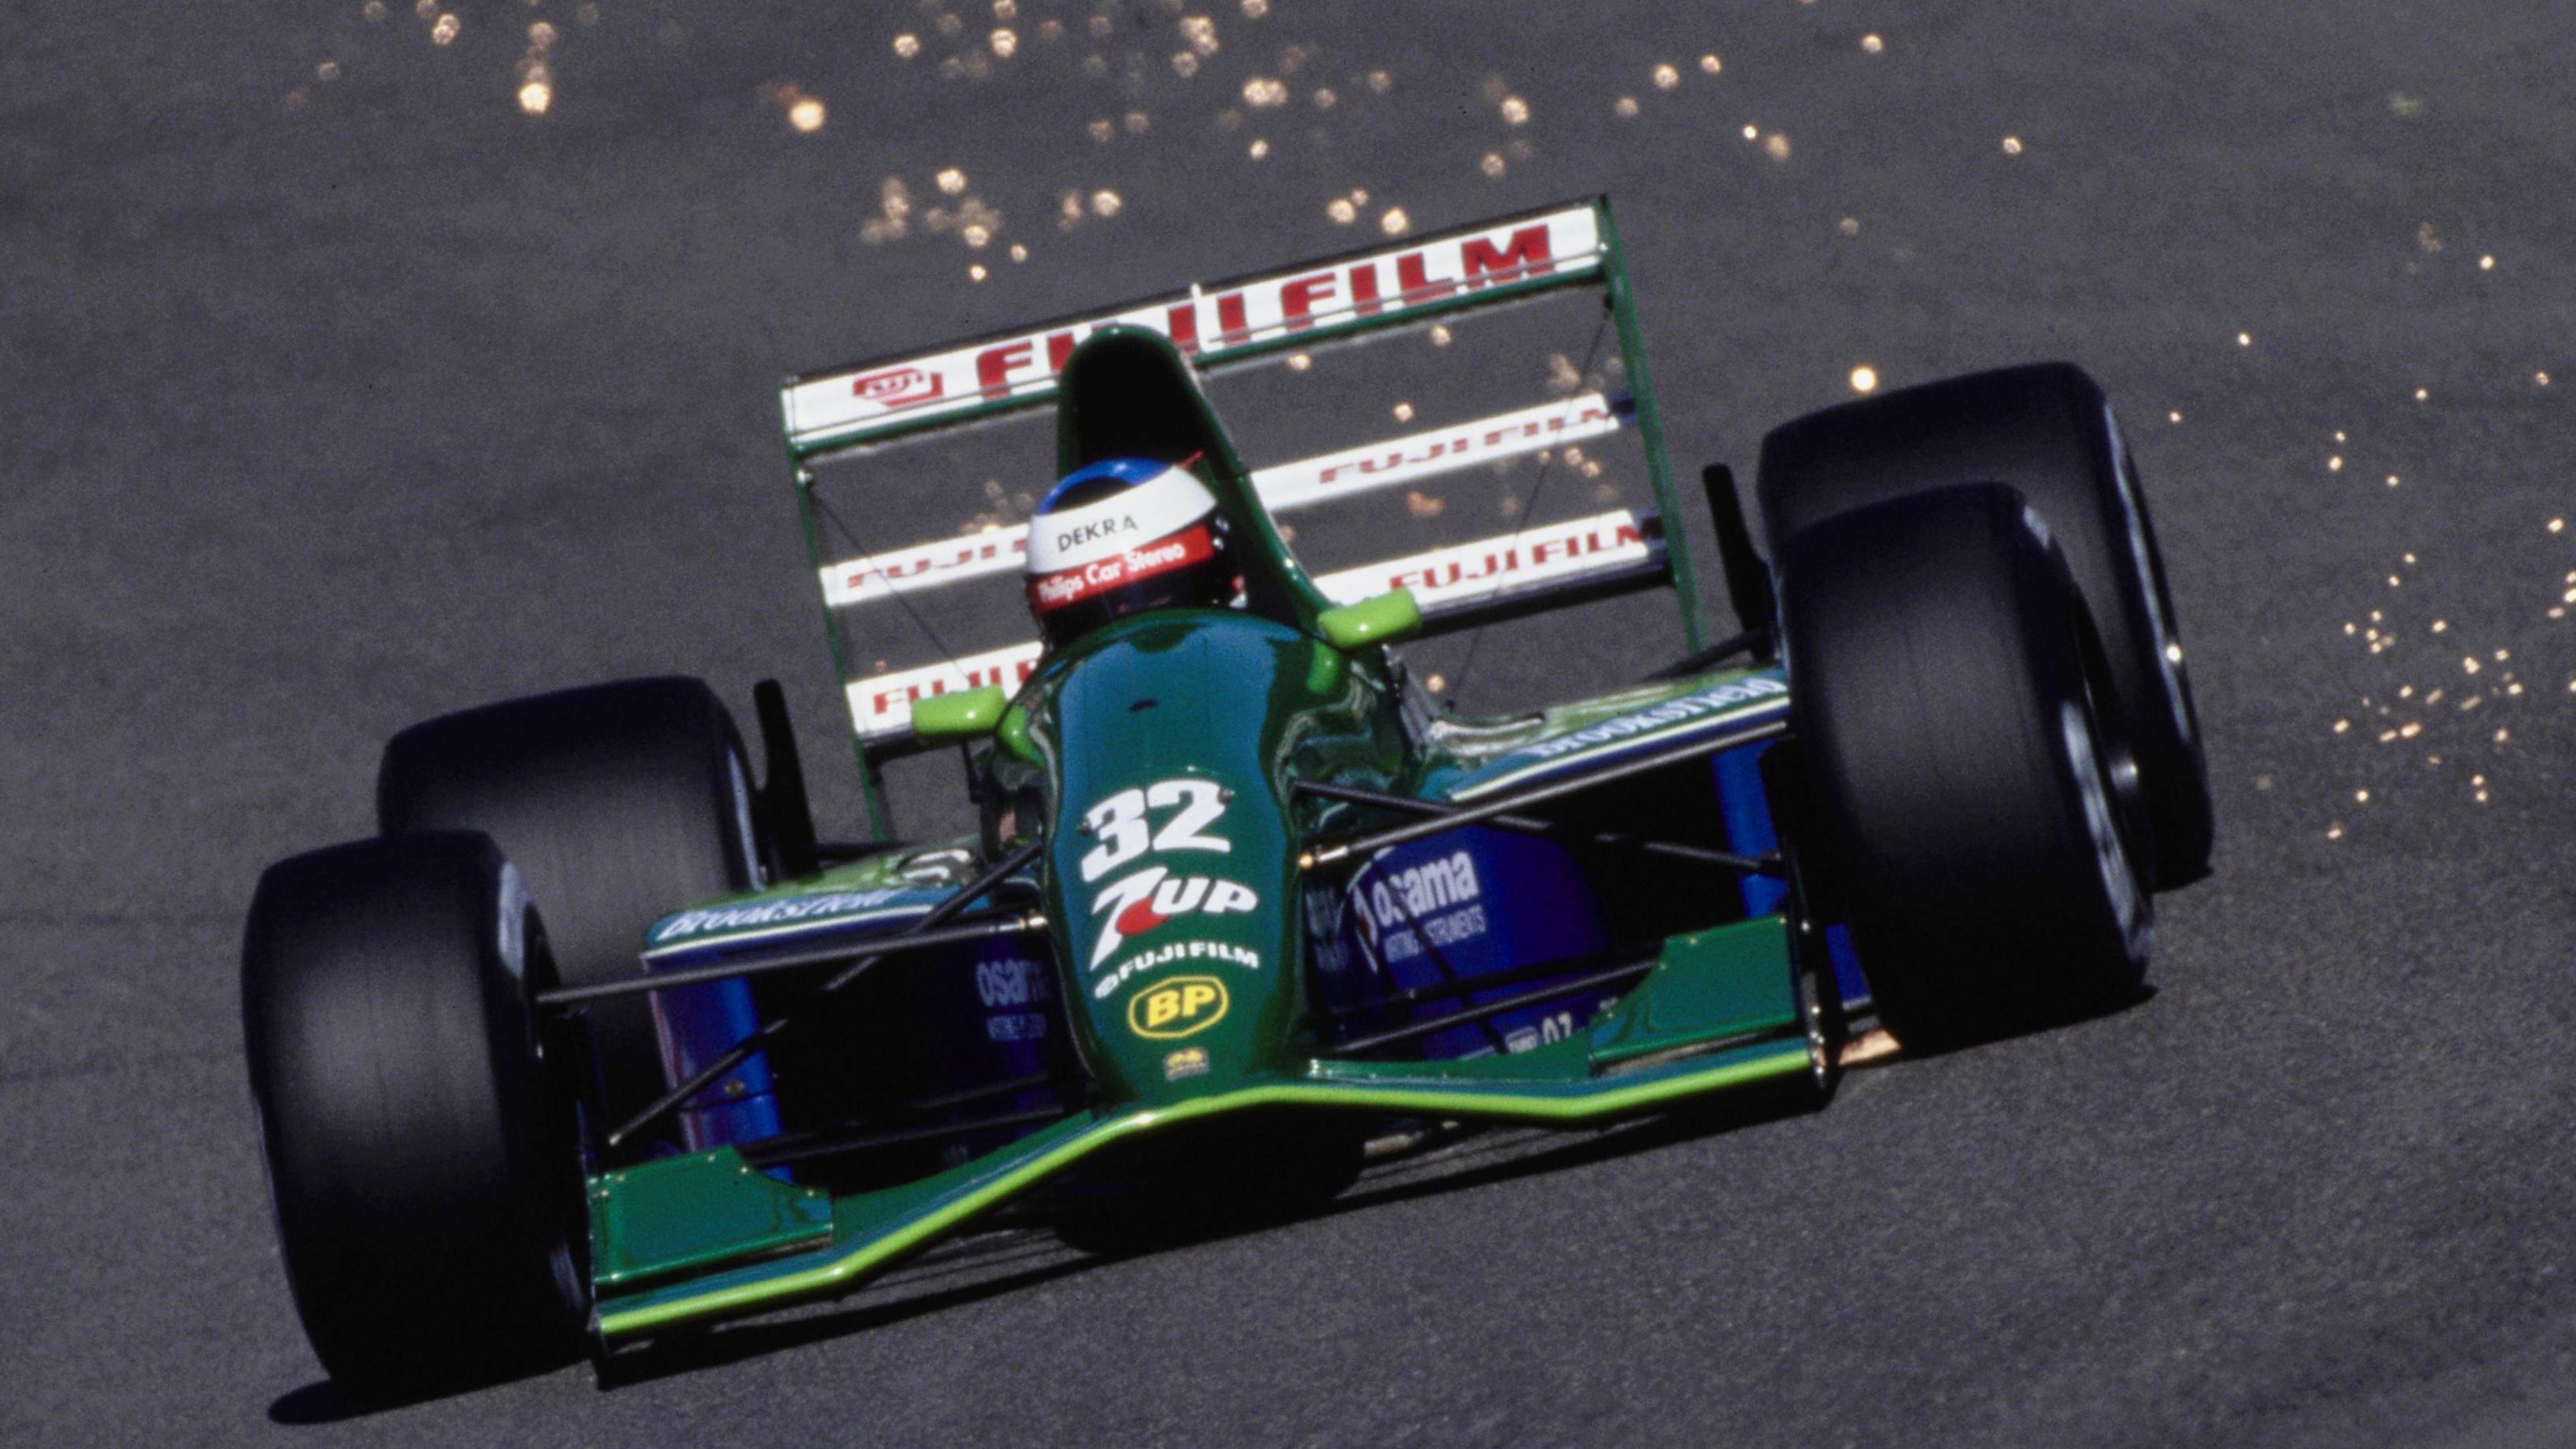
(337, 389)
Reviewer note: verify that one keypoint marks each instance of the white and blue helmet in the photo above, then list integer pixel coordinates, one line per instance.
(1123, 535)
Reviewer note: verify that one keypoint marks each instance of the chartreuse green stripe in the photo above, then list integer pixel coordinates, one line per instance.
(979, 1186)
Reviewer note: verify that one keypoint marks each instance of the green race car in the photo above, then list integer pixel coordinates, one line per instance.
(597, 1041)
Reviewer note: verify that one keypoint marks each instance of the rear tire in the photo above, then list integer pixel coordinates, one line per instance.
(2047, 431)
(421, 1158)
(619, 804)
(1981, 822)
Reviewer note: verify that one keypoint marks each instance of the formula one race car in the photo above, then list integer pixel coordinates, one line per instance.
(596, 1041)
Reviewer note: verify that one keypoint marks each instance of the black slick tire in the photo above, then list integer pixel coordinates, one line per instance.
(420, 1154)
(2046, 430)
(1980, 817)
(619, 803)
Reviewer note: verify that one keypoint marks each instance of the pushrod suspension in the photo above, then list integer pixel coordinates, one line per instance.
(750, 1046)
(1326, 854)
(1022, 923)
(1415, 805)
(1615, 976)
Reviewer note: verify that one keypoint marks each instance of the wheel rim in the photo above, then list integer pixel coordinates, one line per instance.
(2161, 638)
(2101, 822)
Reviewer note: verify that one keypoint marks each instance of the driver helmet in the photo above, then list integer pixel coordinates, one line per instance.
(1123, 535)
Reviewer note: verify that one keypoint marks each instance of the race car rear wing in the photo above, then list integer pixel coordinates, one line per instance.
(1458, 587)
(851, 411)
(1217, 324)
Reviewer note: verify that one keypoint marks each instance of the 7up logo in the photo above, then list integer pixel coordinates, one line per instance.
(1137, 904)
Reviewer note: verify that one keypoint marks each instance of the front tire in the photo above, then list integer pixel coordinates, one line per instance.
(619, 803)
(1948, 698)
(420, 1155)
(2047, 431)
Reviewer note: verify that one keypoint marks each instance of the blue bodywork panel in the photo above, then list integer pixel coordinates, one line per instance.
(1750, 831)
(1454, 907)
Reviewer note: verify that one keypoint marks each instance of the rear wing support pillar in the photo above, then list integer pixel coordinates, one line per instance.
(1650, 425)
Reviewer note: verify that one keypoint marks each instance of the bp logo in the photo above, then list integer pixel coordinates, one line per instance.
(1182, 1006)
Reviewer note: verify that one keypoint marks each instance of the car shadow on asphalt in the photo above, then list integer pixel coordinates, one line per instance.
(319, 1402)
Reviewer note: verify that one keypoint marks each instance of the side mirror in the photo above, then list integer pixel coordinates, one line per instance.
(1386, 619)
(949, 719)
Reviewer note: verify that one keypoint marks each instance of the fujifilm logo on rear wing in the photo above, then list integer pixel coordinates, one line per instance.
(1214, 323)
(1282, 487)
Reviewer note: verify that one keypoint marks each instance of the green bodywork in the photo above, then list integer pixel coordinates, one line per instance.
(1246, 705)
(1159, 754)
(969, 714)
(674, 1263)
(1386, 619)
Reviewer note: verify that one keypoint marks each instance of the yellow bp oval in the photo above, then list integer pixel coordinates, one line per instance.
(1181, 1006)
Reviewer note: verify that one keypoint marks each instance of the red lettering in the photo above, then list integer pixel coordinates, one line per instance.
(1059, 347)
(1364, 288)
(1297, 299)
(1182, 324)
(1413, 283)
(899, 387)
(993, 367)
(1528, 256)
(1231, 324)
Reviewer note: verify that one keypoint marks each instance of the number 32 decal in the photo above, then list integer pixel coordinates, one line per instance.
(1124, 834)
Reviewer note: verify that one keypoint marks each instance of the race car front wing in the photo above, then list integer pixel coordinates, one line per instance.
(707, 1237)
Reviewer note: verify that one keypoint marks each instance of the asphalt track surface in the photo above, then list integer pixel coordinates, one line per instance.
(333, 403)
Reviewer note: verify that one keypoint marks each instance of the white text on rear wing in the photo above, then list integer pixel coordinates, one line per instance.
(1353, 471)
(1552, 554)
